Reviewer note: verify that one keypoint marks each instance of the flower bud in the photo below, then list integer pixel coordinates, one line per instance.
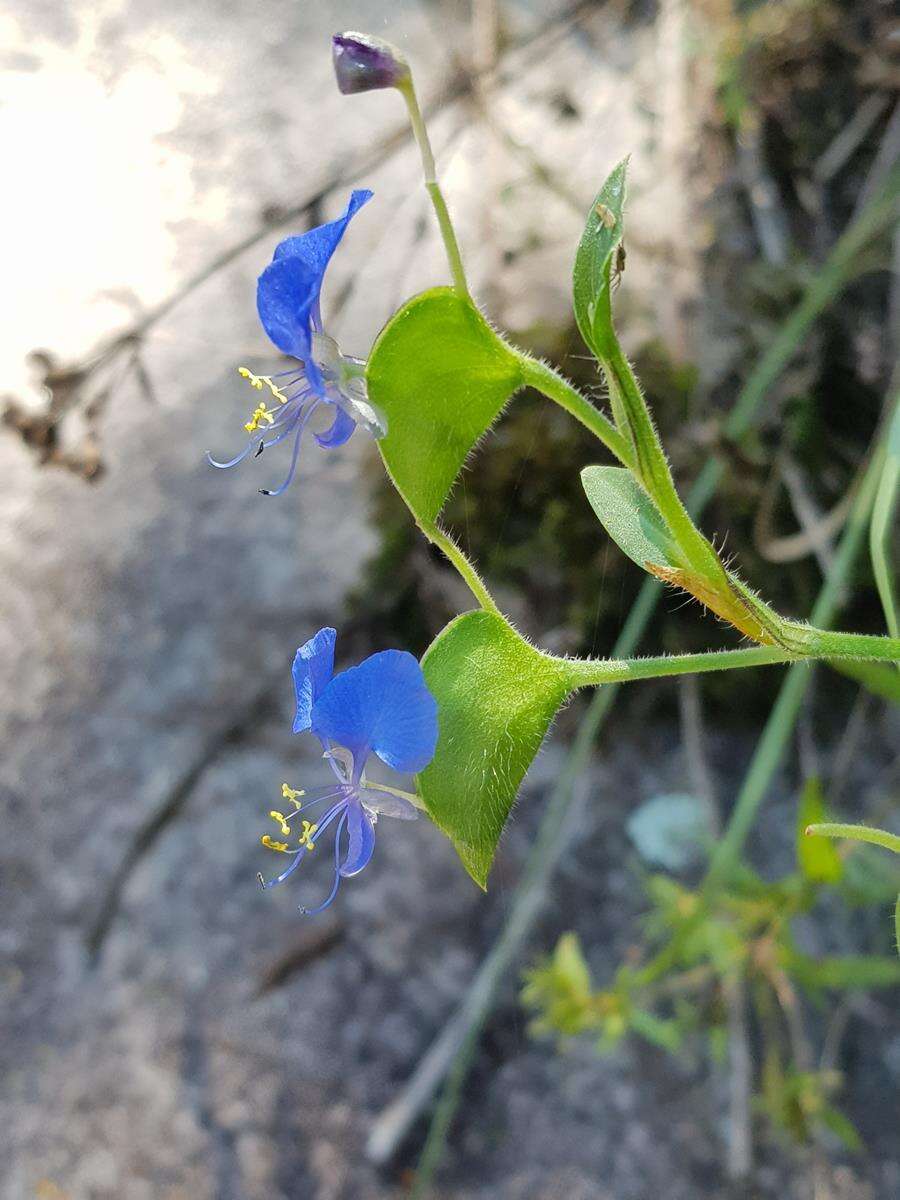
(363, 63)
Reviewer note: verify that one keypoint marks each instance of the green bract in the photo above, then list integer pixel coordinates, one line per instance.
(441, 376)
(496, 697)
(629, 516)
(594, 263)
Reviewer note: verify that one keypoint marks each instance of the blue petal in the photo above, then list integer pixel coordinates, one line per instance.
(341, 430)
(312, 671)
(383, 705)
(315, 247)
(286, 293)
(362, 840)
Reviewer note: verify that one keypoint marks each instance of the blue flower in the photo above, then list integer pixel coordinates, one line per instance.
(288, 302)
(381, 707)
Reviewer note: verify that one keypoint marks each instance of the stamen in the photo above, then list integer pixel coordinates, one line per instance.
(306, 836)
(298, 855)
(311, 912)
(261, 381)
(295, 455)
(261, 412)
(282, 820)
(281, 847)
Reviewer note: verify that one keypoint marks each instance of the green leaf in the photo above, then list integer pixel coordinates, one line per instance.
(594, 262)
(835, 1121)
(817, 857)
(629, 516)
(848, 972)
(662, 1033)
(882, 526)
(496, 697)
(441, 376)
(570, 965)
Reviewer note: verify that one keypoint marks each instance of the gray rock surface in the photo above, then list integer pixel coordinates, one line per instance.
(169, 1032)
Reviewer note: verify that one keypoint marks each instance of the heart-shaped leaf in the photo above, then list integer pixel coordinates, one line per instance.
(496, 697)
(441, 376)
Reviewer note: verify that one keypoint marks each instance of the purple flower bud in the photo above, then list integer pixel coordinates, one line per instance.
(363, 63)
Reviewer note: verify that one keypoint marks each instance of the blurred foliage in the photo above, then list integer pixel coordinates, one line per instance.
(741, 937)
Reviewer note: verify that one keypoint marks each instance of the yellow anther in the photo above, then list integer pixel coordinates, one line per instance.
(279, 817)
(292, 794)
(259, 414)
(272, 845)
(305, 838)
(261, 381)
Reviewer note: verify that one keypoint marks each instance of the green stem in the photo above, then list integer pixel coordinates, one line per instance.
(824, 643)
(543, 378)
(439, 538)
(408, 91)
(588, 672)
(856, 833)
(592, 672)
(651, 465)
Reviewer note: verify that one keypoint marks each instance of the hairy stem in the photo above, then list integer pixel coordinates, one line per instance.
(857, 833)
(438, 537)
(451, 245)
(824, 643)
(584, 673)
(651, 466)
(543, 378)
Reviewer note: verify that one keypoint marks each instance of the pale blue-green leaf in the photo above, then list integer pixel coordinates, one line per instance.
(671, 830)
(629, 516)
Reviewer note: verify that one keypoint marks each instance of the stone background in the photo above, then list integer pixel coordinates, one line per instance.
(168, 1031)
